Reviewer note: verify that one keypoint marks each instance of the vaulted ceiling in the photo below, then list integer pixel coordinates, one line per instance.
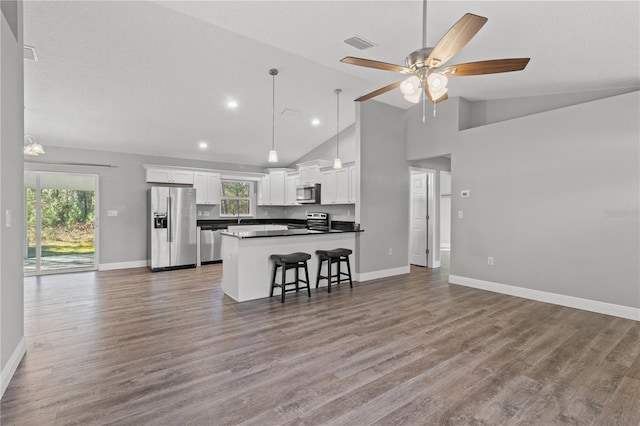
(155, 77)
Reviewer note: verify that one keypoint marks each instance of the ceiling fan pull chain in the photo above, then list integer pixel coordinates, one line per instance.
(424, 103)
(434, 108)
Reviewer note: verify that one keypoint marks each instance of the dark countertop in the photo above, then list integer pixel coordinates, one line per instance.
(283, 233)
(293, 224)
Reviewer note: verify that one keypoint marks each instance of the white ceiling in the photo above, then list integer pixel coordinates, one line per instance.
(154, 77)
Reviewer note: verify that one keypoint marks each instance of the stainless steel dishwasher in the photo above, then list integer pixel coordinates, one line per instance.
(210, 245)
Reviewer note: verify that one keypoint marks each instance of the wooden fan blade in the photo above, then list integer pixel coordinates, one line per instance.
(455, 39)
(385, 89)
(375, 64)
(493, 66)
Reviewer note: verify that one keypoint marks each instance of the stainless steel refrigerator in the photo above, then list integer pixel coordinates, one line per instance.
(172, 233)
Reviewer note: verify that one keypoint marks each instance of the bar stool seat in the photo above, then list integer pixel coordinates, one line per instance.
(295, 261)
(338, 256)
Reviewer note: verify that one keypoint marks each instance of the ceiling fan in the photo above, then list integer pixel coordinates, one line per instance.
(425, 65)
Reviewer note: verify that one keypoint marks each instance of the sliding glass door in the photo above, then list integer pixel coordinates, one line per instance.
(60, 210)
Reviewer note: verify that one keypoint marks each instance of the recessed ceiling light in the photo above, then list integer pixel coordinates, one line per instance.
(315, 122)
(232, 104)
(203, 145)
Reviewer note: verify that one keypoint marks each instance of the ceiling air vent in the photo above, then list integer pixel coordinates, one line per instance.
(29, 52)
(359, 43)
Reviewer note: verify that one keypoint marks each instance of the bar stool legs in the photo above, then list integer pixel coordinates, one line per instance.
(333, 256)
(290, 261)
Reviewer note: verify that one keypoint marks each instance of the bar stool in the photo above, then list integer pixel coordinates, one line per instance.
(333, 256)
(290, 261)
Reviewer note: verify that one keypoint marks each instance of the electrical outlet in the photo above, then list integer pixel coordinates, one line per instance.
(266, 212)
(490, 261)
(112, 212)
(199, 213)
(390, 251)
(206, 213)
(348, 213)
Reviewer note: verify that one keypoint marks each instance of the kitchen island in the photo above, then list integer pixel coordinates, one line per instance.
(247, 269)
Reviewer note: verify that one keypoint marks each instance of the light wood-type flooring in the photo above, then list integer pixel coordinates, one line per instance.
(131, 347)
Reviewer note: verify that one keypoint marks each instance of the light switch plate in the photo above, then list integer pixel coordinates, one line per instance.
(465, 193)
(460, 214)
(8, 218)
(112, 212)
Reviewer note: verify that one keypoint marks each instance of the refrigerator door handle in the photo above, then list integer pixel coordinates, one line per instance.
(169, 219)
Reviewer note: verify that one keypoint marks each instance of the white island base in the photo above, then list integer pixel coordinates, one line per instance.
(247, 269)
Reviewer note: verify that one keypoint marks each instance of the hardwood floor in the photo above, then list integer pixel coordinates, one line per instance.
(134, 348)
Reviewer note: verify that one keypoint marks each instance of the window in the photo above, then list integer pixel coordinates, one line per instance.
(236, 198)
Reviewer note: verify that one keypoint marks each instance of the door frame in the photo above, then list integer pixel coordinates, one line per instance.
(433, 239)
(96, 224)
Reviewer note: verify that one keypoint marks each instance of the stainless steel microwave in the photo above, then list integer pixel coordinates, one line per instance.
(308, 194)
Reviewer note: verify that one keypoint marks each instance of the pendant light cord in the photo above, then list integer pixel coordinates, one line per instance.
(337, 92)
(273, 73)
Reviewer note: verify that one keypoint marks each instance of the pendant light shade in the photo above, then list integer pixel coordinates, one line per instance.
(337, 163)
(273, 155)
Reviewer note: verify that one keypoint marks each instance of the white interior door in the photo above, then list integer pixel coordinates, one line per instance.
(418, 220)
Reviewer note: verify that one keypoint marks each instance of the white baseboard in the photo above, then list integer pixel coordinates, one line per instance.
(374, 275)
(556, 299)
(122, 265)
(12, 365)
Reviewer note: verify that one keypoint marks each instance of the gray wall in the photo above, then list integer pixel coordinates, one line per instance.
(554, 198)
(384, 187)
(327, 149)
(11, 172)
(122, 187)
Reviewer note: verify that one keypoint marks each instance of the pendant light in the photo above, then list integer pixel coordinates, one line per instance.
(337, 164)
(273, 155)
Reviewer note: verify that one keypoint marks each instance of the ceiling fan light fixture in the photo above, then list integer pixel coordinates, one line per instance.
(415, 98)
(410, 86)
(437, 81)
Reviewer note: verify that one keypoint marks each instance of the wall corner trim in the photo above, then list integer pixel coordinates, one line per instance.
(123, 265)
(553, 298)
(383, 273)
(12, 365)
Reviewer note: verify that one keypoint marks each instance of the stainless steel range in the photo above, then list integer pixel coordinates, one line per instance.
(318, 221)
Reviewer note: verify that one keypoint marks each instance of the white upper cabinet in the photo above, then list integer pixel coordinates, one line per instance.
(162, 175)
(310, 171)
(278, 182)
(342, 186)
(207, 187)
(338, 186)
(290, 195)
(328, 187)
(264, 191)
(353, 180)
